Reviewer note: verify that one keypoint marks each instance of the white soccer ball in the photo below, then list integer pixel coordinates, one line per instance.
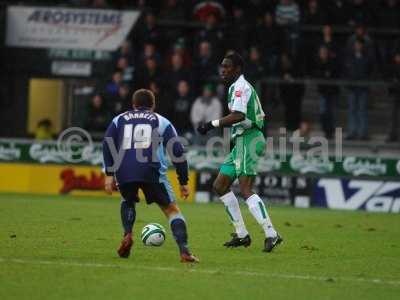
(153, 234)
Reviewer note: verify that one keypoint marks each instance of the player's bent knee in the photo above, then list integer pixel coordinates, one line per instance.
(246, 194)
(219, 188)
(246, 191)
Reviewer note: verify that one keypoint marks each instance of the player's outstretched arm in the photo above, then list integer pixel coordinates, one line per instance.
(108, 159)
(233, 118)
(176, 152)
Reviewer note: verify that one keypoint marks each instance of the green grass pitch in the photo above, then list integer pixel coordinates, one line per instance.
(65, 248)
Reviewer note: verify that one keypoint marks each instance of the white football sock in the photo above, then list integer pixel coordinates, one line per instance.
(258, 210)
(232, 208)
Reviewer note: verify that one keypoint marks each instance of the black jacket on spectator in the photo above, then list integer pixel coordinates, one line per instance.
(327, 70)
(180, 111)
(333, 47)
(291, 94)
(358, 67)
(293, 69)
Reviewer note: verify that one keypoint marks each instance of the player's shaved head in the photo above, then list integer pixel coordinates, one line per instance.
(143, 98)
(231, 67)
(236, 59)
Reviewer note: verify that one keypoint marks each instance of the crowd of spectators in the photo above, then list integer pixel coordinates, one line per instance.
(284, 39)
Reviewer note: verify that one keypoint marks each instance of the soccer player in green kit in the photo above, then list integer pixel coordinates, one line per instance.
(246, 119)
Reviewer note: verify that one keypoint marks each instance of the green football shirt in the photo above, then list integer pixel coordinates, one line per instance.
(243, 97)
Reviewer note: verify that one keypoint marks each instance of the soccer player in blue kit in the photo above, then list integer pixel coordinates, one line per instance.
(134, 149)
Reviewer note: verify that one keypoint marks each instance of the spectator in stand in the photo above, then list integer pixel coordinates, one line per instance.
(163, 99)
(358, 67)
(205, 65)
(394, 78)
(327, 68)
(147, 31)
(121, 102)
(113, 86)
(291, 93)
(180, 48)
(177, 72)
(211, 34)
(150, 51)
(255, 69)
(238, 32)
(125, 51)
(360, 13)
(314, 14)
(360, 33)
(287, 16)
(155, 88)
(328, 41)
(206, 108)
(267, 38)
(180, 108)
(127, 70)
(150, 72)
(98, 116)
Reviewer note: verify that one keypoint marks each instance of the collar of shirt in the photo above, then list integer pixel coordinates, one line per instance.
(241, 77)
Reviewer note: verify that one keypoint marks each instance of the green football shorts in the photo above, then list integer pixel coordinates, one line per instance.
(243, 159)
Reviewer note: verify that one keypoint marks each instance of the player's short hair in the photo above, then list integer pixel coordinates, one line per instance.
(236, 59)
(143, 98)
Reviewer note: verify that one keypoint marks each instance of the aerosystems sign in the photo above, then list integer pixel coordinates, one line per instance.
(67, 28)
(369, 195)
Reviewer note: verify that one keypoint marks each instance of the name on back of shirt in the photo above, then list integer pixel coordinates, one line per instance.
(139, 115)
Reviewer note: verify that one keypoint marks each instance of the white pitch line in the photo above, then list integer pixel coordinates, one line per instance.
(203, 271)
